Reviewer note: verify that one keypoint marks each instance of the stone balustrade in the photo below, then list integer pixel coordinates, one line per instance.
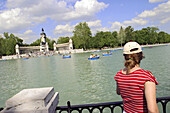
(36, 100)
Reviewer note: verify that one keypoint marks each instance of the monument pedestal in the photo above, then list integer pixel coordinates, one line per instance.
(36, 100)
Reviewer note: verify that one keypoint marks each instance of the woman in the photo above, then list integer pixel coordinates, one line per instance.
(136, 86)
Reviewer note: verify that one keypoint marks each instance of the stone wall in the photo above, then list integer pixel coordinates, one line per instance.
(36, 100)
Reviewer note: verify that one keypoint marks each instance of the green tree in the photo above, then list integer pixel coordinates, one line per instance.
(19, 41)
(82, 36)
(129, 34)
(121, 36)
(161, 37)
(152, 35)
(140, 36)
(99, 39)
(6, 35)
(62, 40)
(8, 43)
(50, 43)
(36, 43)
(115, 39)
(93, 43)
(108, 39)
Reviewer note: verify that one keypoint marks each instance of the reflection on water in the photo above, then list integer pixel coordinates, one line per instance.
(78, 79)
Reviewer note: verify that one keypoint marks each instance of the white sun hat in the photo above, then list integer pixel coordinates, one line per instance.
(131, 47)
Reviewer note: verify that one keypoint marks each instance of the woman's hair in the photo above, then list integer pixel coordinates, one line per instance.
(132, 60)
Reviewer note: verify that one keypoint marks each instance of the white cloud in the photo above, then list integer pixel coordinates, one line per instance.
(96, 26)
(96, 23)
(147, 14)
(136, 22)
(116, 26)
(89, 6)
(62, 29)
(23, 13)
(82, 10)
(158, 14)
(165, 20)
(28, 32)
(67, 29)
(12, 20)
(154, 1)
(27, 38)
(156, 17)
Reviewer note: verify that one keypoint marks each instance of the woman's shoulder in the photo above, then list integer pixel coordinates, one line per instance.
(145, 72)
(149, 76)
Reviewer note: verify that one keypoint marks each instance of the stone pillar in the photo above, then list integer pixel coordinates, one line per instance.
(70, 44)
(41, 48)
(36, 100)
(47, 47)
(17, 49)
(54, 46)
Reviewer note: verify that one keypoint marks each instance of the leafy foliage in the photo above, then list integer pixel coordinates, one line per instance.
(149, 35)
(7, 44)
(121, 36)
(62, 40)
(82, 36)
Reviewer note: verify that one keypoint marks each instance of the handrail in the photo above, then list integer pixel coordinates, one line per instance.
(100, 106)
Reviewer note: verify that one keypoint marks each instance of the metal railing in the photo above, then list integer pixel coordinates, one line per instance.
(101, 106)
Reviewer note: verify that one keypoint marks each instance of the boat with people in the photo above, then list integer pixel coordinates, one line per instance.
(66, 56)
(94, 57)
(107, 53)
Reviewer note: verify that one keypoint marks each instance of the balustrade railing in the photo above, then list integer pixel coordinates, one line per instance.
(101, 106)
(91, 108)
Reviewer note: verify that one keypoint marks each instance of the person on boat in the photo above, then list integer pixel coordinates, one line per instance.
(136, 86)
(91, 56)
(104, 53)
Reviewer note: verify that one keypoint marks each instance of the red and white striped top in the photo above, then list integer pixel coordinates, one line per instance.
(132, 90)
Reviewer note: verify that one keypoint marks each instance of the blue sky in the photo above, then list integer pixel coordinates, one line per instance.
(26, 18)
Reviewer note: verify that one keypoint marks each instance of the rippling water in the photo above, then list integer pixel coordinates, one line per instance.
(77, 79)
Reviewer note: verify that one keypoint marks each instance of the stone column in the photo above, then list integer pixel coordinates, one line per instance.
(36, 100)
(70, 44)
(17, 49)
(41, 48)
(54, 46)
(47, 47)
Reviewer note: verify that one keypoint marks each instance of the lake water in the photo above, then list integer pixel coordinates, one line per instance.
(78, 79)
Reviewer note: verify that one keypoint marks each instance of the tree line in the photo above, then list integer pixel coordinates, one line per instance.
(82, 38)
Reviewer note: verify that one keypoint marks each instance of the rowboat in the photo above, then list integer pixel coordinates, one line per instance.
(94, 58)
(25, 58)
(107, 54)
(64, 57)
